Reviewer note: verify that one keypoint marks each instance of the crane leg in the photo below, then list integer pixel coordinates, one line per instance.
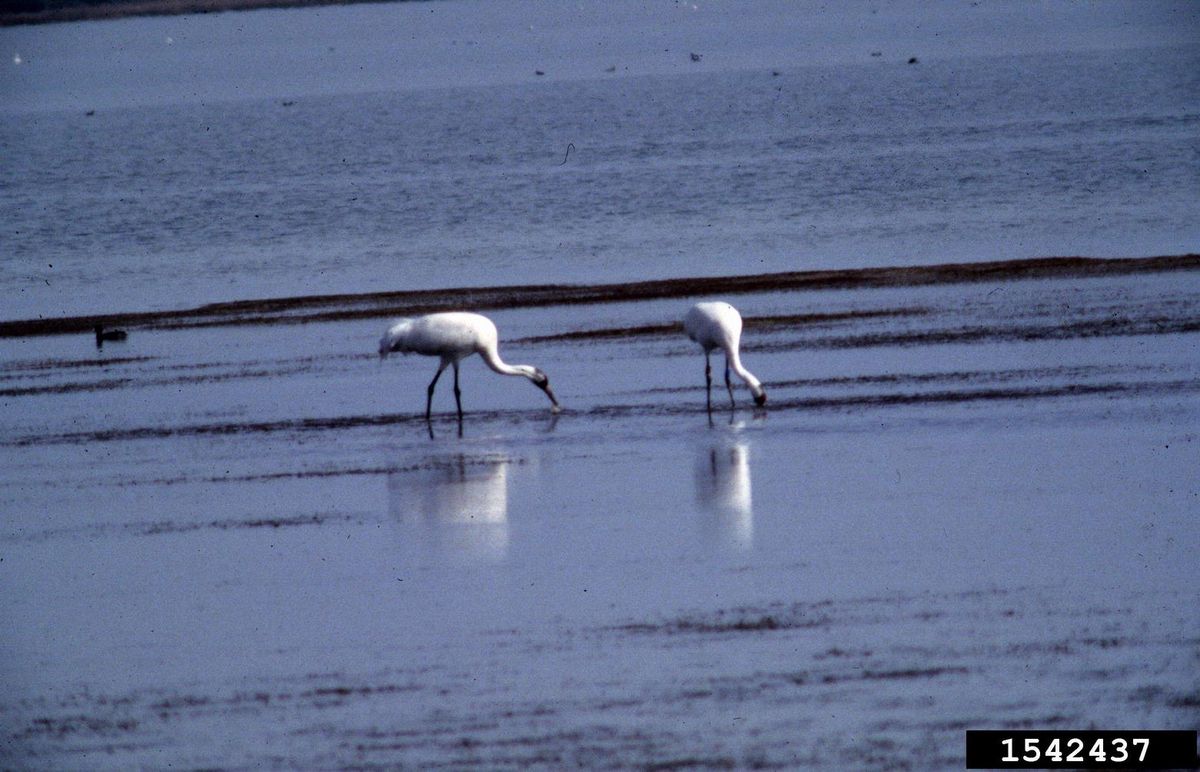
(728, 384)
(708, 381)
(457, 394)
(429, 391)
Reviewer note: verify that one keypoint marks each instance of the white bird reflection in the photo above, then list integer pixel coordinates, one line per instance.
(723, 491)
(454, 507)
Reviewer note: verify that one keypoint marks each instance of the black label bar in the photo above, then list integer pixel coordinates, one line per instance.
(1081, 749)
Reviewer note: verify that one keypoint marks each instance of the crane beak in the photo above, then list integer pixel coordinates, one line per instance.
(760, 399)
(557, 408)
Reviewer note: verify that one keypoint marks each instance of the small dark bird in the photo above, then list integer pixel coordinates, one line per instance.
(912, 60)
(103, 335)
(695, 57)
(539, 72)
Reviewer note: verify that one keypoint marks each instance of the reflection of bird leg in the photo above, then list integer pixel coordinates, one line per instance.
(708, 381)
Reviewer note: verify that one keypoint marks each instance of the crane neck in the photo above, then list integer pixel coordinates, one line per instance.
(491, 357)
(735, 364)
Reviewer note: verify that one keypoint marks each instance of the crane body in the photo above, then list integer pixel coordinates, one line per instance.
(453, 336)
(718, 325)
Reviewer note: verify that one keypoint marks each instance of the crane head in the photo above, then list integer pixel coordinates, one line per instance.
(542, 381)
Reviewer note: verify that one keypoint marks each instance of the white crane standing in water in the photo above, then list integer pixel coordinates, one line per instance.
(453, 336)
(719, 325)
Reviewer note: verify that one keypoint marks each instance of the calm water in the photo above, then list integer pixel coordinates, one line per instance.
(759, 159)
(965, 506)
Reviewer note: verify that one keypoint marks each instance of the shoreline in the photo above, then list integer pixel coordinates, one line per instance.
(346, 307)
(125, 10)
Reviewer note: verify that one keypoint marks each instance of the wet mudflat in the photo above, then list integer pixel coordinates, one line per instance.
(967, 505)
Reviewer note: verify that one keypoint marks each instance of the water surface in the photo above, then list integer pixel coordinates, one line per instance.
(257, 156)
(232, 540)
(965, 506)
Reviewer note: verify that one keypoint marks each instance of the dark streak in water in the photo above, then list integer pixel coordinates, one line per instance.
(68, 388)
(992, 334)
(956, 376)
(850, 402)
(736, 624)
(609, 411)
(829, 679)
(751, 322)
(67, 726)
(156, 529)
(119, 383)
(255, 427)
(62, 364)
(165, 527)
(994, 394)
(793, 616)
(323, 308)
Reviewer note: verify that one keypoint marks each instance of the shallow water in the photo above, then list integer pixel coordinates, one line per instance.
(232, 540)
(239, 546)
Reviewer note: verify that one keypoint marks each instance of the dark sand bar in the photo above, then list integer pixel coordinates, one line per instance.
(328, 308)
(41, 12)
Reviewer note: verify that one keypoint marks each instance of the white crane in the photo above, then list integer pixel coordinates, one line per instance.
(719, 325)
(453, 336)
